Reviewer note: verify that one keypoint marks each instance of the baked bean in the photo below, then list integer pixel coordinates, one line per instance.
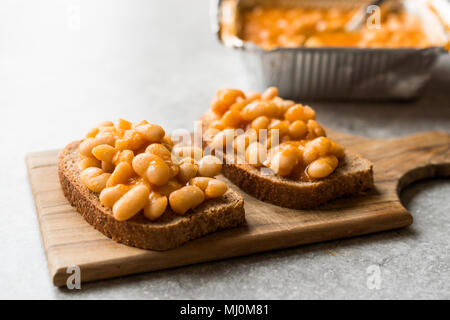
(224, 99)
(261, 122)
(309, 113)
(156, 206)
(231, 119)
(284, 161)
(209, 166)
(94, 178)
(212, 188)
(123, 156)
(314, 130)
(88, 162)
(285, 138)
(104, 152)
(310, 154)
(138, 180)
(107, 166)
(279, 103)
(105, 123)
(188, 160)
(271, 152)
(105, 131)
(120, 133)
(121, 174)
(187, 171)
(222, 139)
(131, 203)
(256, 154)
(201, 182)
(285, 105)
(281, 126)
(259, 108)
(134, 140)
(109, 196)
(186, 198)
(174, 169)
(253, 134)
(169, 187)
(159, 150)
(141, 162)
(294, 113)
(242, 141)
(301, 150)
(252, 96)
(239, 105)
(216, 124)
(92, 133)
(270, 93)
(297, 130)
(158, 172)
(322, 167)
(273, 139)
(151, 132)
(216, 188)
(167, 142)
(181, 152)
(337, 150)
(122, 144)
(108, 139)
(136, 124)
(124, 124)
(316, 148)
(86, 146)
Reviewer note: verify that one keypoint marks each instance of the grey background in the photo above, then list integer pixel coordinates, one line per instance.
(66, 65)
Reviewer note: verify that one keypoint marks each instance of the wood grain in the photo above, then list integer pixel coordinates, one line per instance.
(69, 241)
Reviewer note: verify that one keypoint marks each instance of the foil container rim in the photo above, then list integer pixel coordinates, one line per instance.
(239, 44)
(247, 46)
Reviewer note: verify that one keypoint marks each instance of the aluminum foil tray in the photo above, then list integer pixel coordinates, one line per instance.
(334, 73)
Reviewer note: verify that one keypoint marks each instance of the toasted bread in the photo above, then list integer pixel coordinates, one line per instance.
(354, 175)
(169, 231)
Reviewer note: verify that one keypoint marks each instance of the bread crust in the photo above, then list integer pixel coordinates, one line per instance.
(354, 175)
(169, 231)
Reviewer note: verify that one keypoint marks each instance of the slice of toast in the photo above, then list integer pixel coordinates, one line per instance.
(354, 175)
(169, 231)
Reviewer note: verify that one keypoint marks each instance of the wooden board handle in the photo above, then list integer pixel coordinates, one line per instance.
(425, 155)
(408, 159)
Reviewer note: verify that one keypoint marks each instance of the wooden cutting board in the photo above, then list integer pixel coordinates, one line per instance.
(70, 241)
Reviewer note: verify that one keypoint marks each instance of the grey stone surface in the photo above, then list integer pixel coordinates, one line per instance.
(65, 65)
